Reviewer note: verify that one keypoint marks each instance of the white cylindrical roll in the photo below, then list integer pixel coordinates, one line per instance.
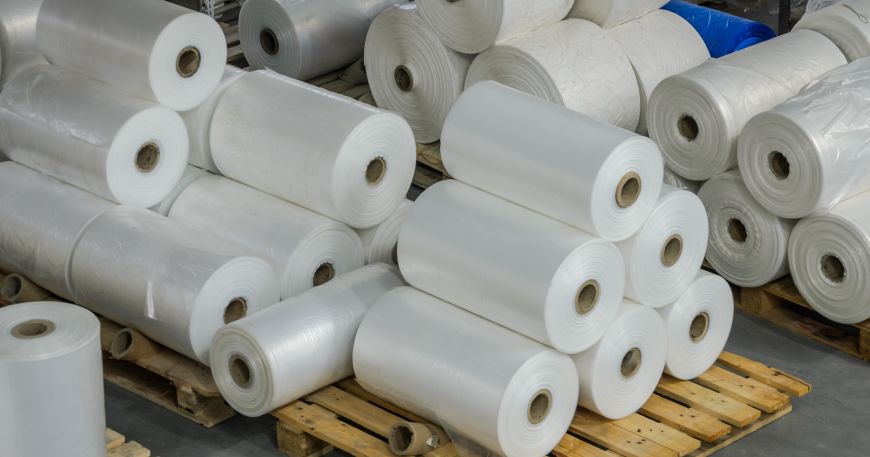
(658, 45)
(663, 258)
(572, 63)
(425, 355)
(673, 179)
(156, 50)
(411, 72)
(473, 250)
(473, 26)
(811, 152)
(698, 325)
(620, 373)
(610, 13)
(112, 144)
(306, 38)
(305, 248)
(41, 221)
(176, 285)
(299, 345)
(380, 243)
(18, 37)
(696, 116)
(328, 153)
(847, 24)
(191, 174)
(198, 122)
(52, 379)
(559, 163)
(748, 245)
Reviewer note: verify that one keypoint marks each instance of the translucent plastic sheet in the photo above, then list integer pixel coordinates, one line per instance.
(847, 24)
(610, 13)
(329, 153)
(425, 355)
(380, 243)
(153, 49)
(473, 26)
(559, 163)
(411, 72)
(748, 245)
(18, 37)
(696, 116)
(529, 273)
(305, 248)
(722, 32)
(191, 174)
(298, 346)
(176, 285)
(51, 382)
(198, 122)
(673, 179)
(572, 63)
(97, 138)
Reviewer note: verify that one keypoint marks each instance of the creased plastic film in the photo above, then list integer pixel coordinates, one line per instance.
(610, 13)
(190, 175)
(18, 37)
(381, 242)
(198, 122)
(847, 24)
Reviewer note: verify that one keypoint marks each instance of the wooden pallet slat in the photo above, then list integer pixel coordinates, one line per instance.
(662, 434)
(605, 433)
(746, 390)
(116, 446)
(723, 408)
(760, 372)
(571, 446)
(693, 422)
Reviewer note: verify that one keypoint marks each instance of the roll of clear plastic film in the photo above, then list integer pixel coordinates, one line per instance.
(18, 38)
(381, 243)
(610, 13)
(156, 50)
(198, 122)
(51, 378)
(846, 23)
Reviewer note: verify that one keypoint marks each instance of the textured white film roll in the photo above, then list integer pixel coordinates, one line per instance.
(845, 23)
(529, 273)
(190, 175)
(380, 243)
(51, 378)
(176, 285)
(198, 122)
(156, 50)
(298, 346)
(696, 116)
(425, 355)
(18, 37)
(610, 13)
(357, 162)
(673, 179)
(549, 159)
(572, 63)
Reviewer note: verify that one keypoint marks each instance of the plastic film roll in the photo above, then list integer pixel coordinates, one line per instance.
(847, 24)
(562, 290)
(42, 219)
(748, 245)
(610, 13)
(299, 345)
(663, 258)
(811, 152)
(675, 180)
(190, 175)
(156, 50)
(696, 116)
(620, 373)
(52, 380)
(176, 285)
(198, 122)
(425, 355)
(572, 63)
(698, 325)
(18, 38)
(305, 248)
(381, 243)
(411, 72)
(585, 173)
(112, 144)
(722, 32)
(357, 161)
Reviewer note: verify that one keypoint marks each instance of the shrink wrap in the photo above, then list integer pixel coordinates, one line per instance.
(18, 37)
(847, 24)
(673, 179)
(723, 33)
(198, 121)
(610, 13)
(190, 175)
(380, 243)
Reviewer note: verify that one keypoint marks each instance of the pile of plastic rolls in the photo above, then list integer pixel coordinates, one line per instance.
(723, 33)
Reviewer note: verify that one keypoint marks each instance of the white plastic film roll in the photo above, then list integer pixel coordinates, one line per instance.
(191, 174)
(663, 258)
(328, 153)
(411, 72)
(847, 24)
(620, 373)
(198, 122)
(380, 243)
(673, 179)
(610, 13)
(51, 379)
(298, 346)
(549, 159)
(425, 355)
(176, 285)
(305, 248)
(812, 151)
(696, 116)
(748, 245)
(473, 26)
(698, 325)
(572, 63)
(658, 45)
(112, 144)
(18, 37)
(42, 219)
(473, 250)
(306, 38)
(153, 49)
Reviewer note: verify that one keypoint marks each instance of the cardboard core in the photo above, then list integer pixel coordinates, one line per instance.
(540, 405)
(628, 190)
(737, 231)
(147, 157)
(779, 165)
(699, 327)
(401, 437)
(688, 127)
(11, 288)
(121, 344)
(631, 363)
(188, 61)
(34, 328)
(269, 41)
(240, 371)
(236, 310)
(672, 251)
(833, 269)
(587, 297)
(324, 273)
(375, 171)
(404, 79)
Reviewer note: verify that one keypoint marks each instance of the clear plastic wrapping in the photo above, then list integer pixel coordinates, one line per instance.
(610, 13)
(198, 122)
(482, 382)
(847, 24)
(326, 152)
(18, 37)
(97, 138)
(381, 242)
(190, 175)
(529, 273)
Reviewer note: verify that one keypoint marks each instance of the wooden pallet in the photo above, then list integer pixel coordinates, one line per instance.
(782, 304)
(733, 399)
(118, 446)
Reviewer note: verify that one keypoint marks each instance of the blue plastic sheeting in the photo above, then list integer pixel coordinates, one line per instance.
(723, 33)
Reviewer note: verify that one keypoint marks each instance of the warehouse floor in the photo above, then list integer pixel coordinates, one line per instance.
(831, 421)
